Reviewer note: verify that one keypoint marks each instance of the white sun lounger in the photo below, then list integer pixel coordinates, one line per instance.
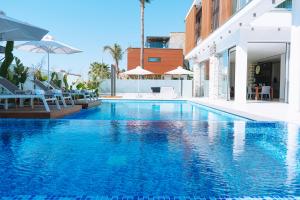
(51, 90)
(87, 95)
(13, 92)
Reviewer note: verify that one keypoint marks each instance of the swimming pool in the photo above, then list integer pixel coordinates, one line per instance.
(153, 110)
(220, 157)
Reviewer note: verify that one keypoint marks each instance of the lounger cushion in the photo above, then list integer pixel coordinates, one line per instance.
(39, 92)
(55, 91)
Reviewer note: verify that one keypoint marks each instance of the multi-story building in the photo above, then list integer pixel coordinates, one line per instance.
(162, 54)
(237, 47)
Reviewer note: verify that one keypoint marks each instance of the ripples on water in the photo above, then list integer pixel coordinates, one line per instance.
(95, 157)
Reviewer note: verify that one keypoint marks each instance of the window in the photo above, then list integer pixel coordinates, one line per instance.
(286, 4)
(154, 59)
(215, 14)
(198, 25)
(159, 44)
(239, 4)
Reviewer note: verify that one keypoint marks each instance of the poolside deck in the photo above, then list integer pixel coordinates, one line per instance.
(38, 112)
(255, 110)
(87, 105)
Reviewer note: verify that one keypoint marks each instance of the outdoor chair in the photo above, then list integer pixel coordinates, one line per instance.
(250, 92)
(266, 92)
(13, 92)
(155, 90)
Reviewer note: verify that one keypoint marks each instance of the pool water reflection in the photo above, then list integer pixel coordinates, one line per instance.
(153, 110)
(129, 157)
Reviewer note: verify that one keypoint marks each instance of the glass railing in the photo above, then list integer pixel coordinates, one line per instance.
(157, 45)
(286, 5)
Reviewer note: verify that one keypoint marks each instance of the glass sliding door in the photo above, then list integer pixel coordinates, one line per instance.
(204, 79)
(231, 73)
(223, 91)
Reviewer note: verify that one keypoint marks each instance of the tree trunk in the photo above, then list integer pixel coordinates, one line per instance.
(115, 80)
(112, 77)
(142, 33)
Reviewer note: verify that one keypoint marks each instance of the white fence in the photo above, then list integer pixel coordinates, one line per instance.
(131, 86)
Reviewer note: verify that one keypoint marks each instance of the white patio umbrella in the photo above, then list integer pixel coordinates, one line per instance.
(180, 71)
(139, 71)
(15, 30)
(49, 46)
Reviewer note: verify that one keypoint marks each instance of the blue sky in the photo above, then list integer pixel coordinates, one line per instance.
(91, 24)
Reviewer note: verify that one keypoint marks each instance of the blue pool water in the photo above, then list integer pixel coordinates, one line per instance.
(153, 110)
(201, 156)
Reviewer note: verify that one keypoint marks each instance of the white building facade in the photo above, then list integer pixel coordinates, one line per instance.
(255, 51)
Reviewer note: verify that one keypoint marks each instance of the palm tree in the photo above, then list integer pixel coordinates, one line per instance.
(99, 71)
(142, 5)
(116, 53)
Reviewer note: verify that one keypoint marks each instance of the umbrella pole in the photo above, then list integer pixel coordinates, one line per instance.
(48, 69)
(181, 81)
(138, 85)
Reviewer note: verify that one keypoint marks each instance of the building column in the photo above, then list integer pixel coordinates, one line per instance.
(282, 77)
(294, 68)
(241, 66)
(213, 77)
(197, 80)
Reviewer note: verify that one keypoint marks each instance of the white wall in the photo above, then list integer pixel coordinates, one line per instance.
(131, 86)
(276, 18)
(177, 40)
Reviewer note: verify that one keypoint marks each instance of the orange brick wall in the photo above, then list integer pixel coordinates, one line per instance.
(206, 18)
(190, 25)
(225, 10)
(170, 59)
(225, 14)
